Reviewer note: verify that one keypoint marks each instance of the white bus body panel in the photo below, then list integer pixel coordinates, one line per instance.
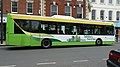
(82, 38)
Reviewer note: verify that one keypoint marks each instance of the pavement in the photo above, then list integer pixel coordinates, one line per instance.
(117, 42)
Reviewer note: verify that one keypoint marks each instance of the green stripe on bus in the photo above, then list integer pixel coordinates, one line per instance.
(79, 43)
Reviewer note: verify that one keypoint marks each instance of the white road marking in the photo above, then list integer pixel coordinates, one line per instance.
(80, 61)
(9, 66)
(46, 63)
(104, 58)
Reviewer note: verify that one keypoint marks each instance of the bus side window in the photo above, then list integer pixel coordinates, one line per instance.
(39, 28)
(74, 31)
(85, 32)
(59, 29)
(45, 28)
(96, 31)
(67, 31)
(34, 25)
(52, 29)
(110, 30)
(63, 29)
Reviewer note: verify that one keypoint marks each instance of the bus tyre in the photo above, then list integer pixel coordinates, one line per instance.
(46, 43)
(98, 42)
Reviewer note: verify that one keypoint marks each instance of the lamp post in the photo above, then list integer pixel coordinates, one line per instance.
(1, 21)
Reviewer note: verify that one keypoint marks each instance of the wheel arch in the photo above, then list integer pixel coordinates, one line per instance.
(99, 39)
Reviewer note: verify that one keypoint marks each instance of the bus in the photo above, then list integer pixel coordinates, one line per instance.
(31, 30)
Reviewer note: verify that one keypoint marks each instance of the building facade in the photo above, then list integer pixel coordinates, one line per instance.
(21, 6)
(74, 8)
(108, 10)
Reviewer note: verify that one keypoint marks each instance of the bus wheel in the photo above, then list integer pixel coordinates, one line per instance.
(46, 43)
(98, 42)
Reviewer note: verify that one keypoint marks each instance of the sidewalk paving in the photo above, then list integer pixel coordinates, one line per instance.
(117, 42)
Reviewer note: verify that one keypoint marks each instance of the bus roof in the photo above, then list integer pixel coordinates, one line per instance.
(33, 17)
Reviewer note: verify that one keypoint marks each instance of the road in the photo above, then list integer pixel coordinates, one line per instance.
(79, 56)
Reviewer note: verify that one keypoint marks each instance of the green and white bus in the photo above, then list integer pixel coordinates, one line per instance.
(30, 30)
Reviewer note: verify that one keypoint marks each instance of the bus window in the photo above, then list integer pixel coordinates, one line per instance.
(74, 31)
(99, 30)
(60, 30)
(44, 28)
(52, 29)
(63, 29)
(35, 26)
(17, 30)
(79, 31)
(68, 29)
(24, 24)
(109, 30)
(86, 31)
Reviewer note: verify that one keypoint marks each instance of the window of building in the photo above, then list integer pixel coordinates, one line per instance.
(117, 1)
(92, 0)
(68, 10)
(14, 7)
(79, 12)
(102, 14)
(118, 15)
(29, 8)
(110, 1)
(93, 14)
(53, 10)
(110, 15)
(101, 1)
